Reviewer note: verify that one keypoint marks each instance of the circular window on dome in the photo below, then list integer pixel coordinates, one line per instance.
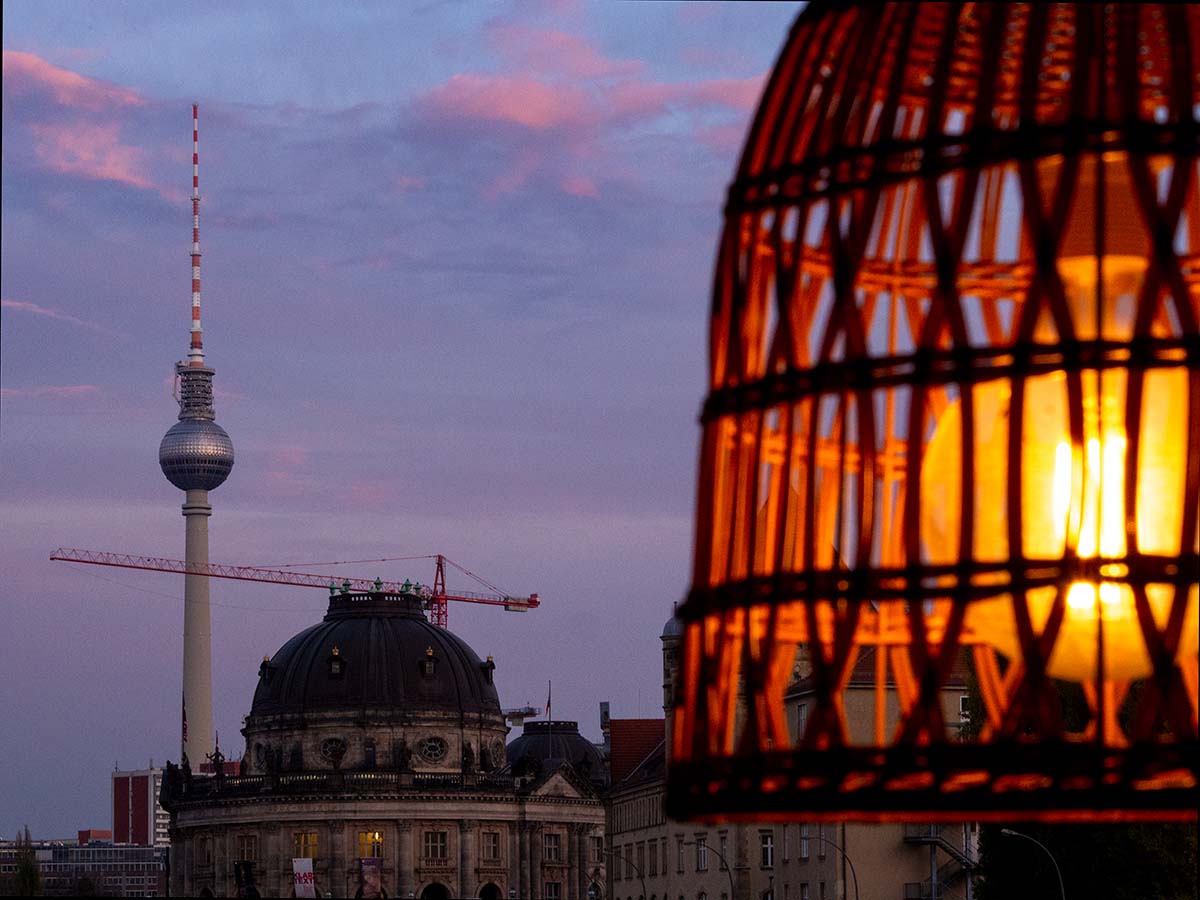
(496, 748)
(333, 749)
(432, 749)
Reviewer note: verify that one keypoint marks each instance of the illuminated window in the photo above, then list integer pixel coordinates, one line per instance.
(370, 843)
(304, 845)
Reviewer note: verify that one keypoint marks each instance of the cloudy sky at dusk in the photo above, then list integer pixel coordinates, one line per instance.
(456, 274)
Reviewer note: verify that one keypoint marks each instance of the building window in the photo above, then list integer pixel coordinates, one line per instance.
(206, 850)
(369, 753)
(724, 848)
(553, 890)
(435, 846)
(597, 844)
(820, 842)
(304, 845)
(491, 846)
(679, 856)
(552, 847)
(801, 721)
(767, 845)
(370, 843)
(787, 841)
(804, 894)
(247, 847)
(615, 856)
(701, 854)
(821, 890)
(641, 856)
(702, 896)
(804, 842)
(653, 859)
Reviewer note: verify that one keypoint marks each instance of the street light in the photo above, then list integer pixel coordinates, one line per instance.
(846, 857)
(629, 862)
(724, 862)
(1008, 832)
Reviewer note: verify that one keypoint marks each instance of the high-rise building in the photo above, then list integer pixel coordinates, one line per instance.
(137, 817)
(196, 455)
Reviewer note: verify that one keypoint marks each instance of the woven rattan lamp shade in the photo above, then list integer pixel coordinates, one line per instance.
(947, 542)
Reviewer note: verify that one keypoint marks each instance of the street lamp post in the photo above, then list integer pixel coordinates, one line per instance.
(724, 862)
(846, 857)
(1008, 832)
(629, 862)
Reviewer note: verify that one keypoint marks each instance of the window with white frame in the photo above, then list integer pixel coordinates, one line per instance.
(801, 721)
(804, 894)
(820, 842)
(701, 853)
(804, 841)
(724, 848)
(597, 845)
(767, 847)
(435, 845)
(679, 856)
(552, 847)
(491, 846)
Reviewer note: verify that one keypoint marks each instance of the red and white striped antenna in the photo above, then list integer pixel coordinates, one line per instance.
(196, 351)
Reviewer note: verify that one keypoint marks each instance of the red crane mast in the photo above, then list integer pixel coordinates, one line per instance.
(436, 597)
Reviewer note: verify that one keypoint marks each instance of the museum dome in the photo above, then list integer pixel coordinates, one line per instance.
(546, 741)
(377, 652)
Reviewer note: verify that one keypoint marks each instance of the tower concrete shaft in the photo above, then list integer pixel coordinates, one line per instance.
(197, 634)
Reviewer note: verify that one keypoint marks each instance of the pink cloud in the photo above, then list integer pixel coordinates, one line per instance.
(287, 457)
(408, 182)
(649, 99)
(515, 99)
(548, 51)
(91, 151)
(579, 186)
(24, 72)
(46, 312)
(62, 391)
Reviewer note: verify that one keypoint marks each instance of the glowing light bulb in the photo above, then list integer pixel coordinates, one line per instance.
(1070, 491)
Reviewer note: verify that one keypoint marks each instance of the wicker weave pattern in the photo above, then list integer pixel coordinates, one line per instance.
(915, 187)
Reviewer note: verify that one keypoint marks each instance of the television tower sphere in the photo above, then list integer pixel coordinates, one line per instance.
(196, 455)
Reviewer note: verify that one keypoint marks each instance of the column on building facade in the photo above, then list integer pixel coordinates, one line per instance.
(405, 865)
(577, 857)
(271, 861)
(742, 876)
(523, 860)
(337, 858)
(535, 862)
(468, 858)
(514, 857)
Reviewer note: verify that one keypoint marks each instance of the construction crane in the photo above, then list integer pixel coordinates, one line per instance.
(435, 597)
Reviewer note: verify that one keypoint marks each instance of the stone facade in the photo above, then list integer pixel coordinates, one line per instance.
(375, 734)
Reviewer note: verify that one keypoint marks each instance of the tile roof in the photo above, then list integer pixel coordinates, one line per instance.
(631, 741)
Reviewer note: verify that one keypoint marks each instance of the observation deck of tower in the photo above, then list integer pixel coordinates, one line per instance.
(196, 455)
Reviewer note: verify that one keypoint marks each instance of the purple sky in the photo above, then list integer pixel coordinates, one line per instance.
(456, 275)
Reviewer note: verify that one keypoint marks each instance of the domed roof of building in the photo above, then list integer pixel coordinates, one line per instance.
(557, 740)
(375, 651)
(673, 628)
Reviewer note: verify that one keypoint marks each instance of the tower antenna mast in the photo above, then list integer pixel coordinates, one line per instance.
(196, 351)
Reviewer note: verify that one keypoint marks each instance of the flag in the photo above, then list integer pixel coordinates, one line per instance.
(183, 703)
(549, 691)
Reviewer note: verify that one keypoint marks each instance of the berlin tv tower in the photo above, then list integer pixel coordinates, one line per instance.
(196, 455)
